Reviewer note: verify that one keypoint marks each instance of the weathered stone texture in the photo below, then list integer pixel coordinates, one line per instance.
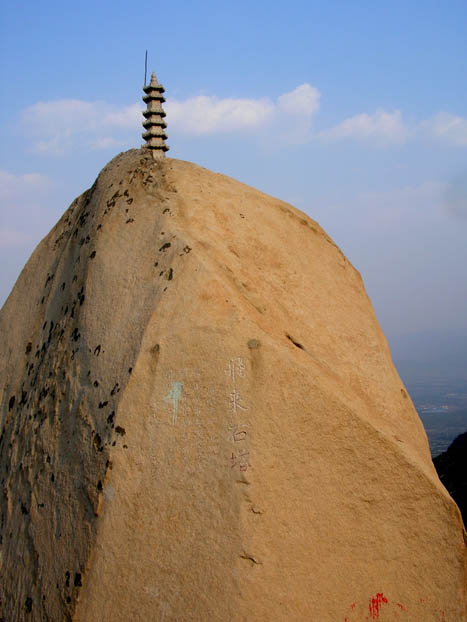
(201, 421)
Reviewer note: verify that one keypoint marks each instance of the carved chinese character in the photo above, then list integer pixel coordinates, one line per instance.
(240, 459)
(238, 434)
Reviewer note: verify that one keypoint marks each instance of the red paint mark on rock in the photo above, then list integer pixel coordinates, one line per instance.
(401, 607)
(375, 605)
(352, 606)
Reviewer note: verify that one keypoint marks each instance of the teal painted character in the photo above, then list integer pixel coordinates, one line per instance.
(173, 397)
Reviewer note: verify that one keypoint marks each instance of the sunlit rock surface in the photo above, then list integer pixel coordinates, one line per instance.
(201, 421)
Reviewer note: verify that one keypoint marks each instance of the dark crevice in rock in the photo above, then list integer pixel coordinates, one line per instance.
(295, 342)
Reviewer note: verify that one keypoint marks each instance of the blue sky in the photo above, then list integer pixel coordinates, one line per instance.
(355, 113)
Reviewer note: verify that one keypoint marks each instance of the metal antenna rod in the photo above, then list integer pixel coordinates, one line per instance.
(145, 67)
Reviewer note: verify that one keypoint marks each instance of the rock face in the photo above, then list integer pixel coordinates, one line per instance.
(201, 421)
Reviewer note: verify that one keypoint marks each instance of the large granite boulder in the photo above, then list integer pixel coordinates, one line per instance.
(201, 421)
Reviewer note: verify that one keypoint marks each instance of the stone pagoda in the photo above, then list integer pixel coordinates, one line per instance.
(154, 123)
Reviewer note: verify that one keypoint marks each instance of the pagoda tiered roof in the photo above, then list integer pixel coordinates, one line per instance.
(154, 114)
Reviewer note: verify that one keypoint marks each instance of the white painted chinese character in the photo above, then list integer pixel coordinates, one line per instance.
(236, 402)
(236, 368)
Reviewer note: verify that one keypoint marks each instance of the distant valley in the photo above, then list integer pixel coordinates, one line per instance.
(433, 367)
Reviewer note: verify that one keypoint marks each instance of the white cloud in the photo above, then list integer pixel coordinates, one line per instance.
(304, 100)
(58, 125)
(381, 127)
(55, 145)
(125, 117)
(204, 115)
(295, 111)
(76, 115)
(447, 127)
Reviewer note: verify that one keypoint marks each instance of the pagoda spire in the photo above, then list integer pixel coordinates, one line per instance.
(154, 123)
